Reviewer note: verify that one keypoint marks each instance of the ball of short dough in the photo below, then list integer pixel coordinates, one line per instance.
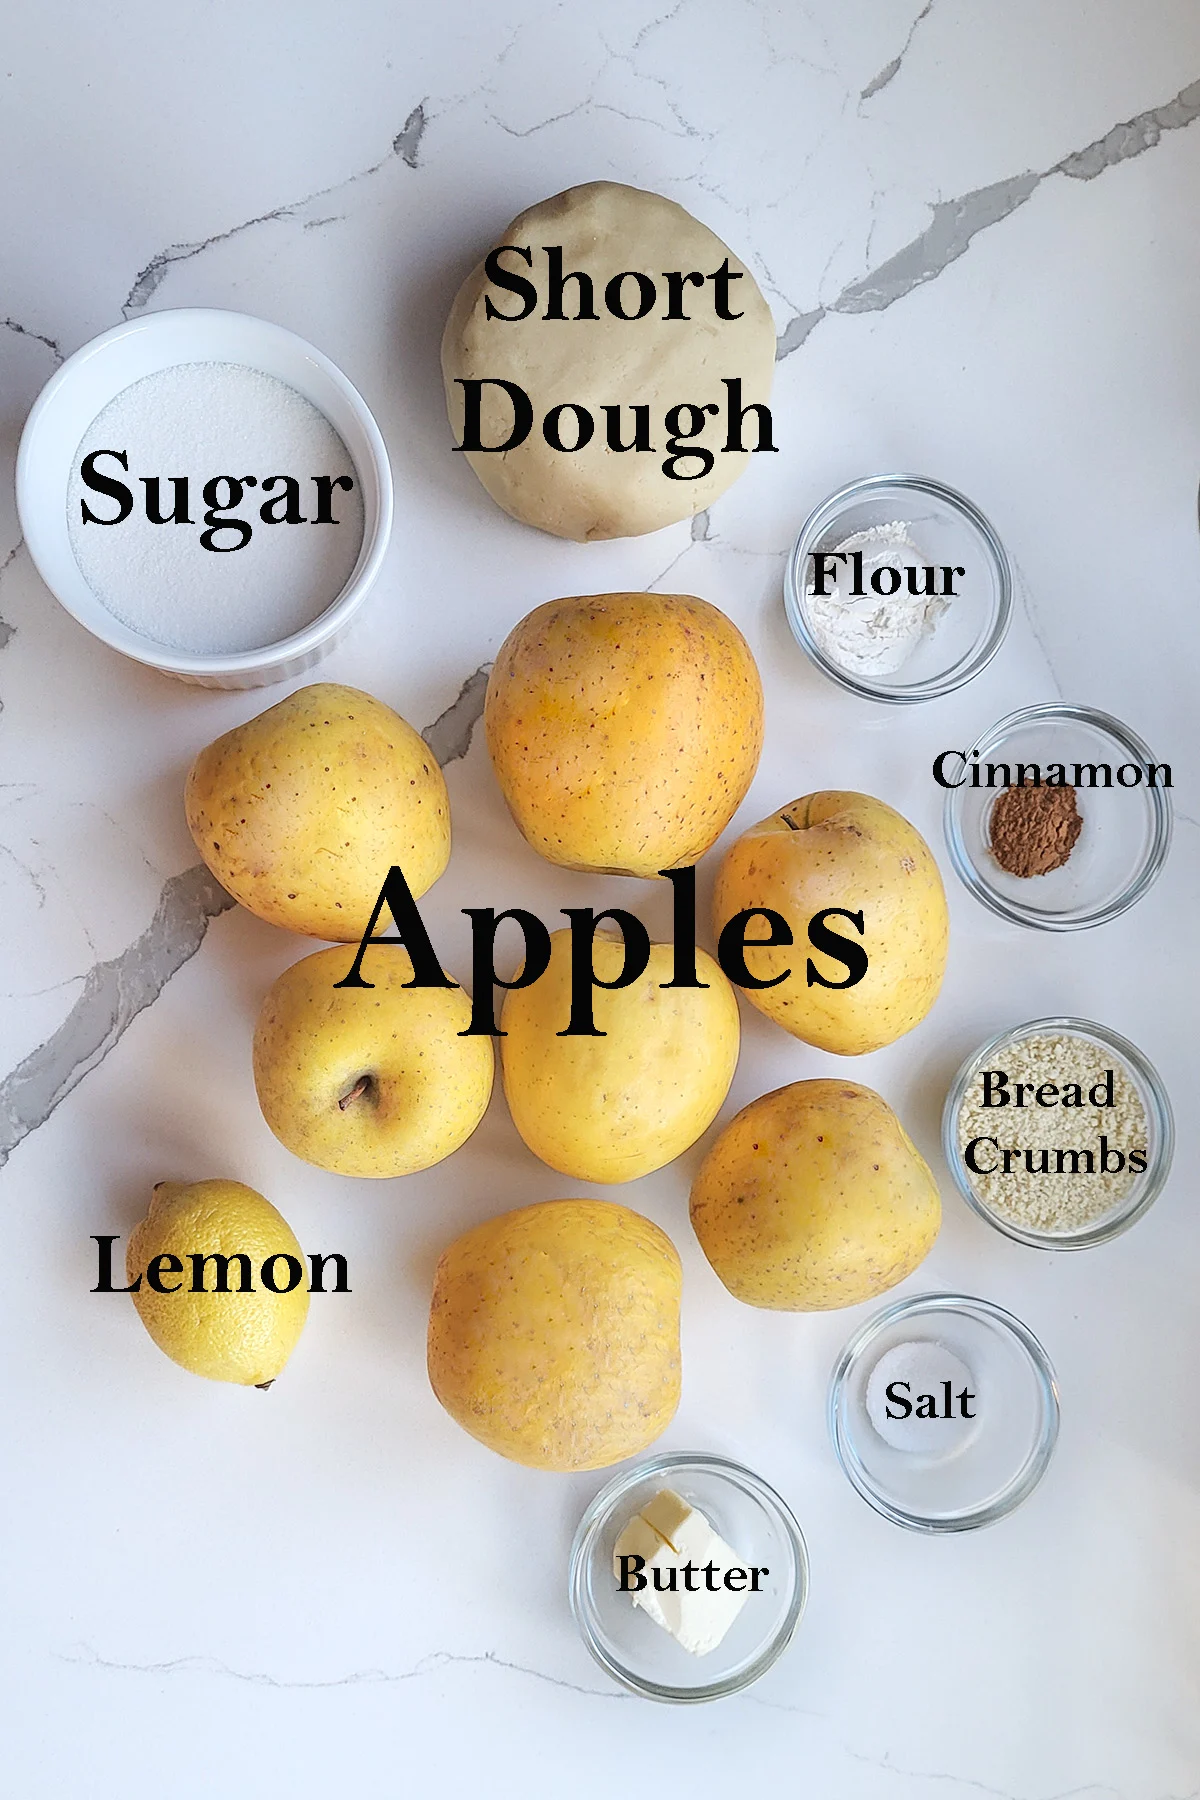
(554, 1333)
(624, 729)
(604, 230)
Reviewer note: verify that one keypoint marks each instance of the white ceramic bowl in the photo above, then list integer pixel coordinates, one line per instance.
(100, 371)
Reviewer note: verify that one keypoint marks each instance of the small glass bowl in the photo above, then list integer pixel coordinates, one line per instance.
(949, 529)
(979, 1479)
(1126, 829)
(1160, 1135)
(751, 1518)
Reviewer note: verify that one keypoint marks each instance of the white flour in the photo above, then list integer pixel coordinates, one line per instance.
(205, 420)
(871, 634)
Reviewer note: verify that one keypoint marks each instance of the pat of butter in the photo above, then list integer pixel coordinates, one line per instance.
(683, 1574)
(669, 1514)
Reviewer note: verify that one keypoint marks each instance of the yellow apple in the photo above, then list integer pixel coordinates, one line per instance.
(624, 729)
(614, 1107)
(815, 1197)
(373, 1081)
(301, 812)
(554, 1333)
(853, 855)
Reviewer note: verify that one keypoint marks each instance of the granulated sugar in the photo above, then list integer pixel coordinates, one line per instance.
(204, 421)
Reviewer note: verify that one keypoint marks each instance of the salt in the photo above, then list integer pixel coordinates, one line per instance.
(925, 1366)
(205, 420)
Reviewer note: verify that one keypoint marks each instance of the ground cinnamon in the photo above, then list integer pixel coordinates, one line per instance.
(1034, 829)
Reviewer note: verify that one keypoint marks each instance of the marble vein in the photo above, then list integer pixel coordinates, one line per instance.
(702, 532)
(449, 737)
(39, 887)
(663, 573)
(38, 337)
(955, 223)
(796, 331)
(115, 992)
(7, 631)
(1088, 1790)
(148, 280)
(85, 1656)
(113, 995)
(554, 119)
(947, 237)
(1024, 593)
(890, 70)
(1132, 137)
(590, 104)
(407, 141)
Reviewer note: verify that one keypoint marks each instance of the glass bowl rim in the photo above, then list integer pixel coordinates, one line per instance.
(1139, 883)
(936, 686)
(1027, 1476)
(1107, 1226)
(599, 1509)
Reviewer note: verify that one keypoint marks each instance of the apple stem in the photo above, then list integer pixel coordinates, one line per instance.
(264, 1385)
(361, 1086)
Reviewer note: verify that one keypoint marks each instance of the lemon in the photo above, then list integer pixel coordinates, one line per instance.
(210, 1255)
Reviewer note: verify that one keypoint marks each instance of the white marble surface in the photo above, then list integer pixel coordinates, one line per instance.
(976, 223)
